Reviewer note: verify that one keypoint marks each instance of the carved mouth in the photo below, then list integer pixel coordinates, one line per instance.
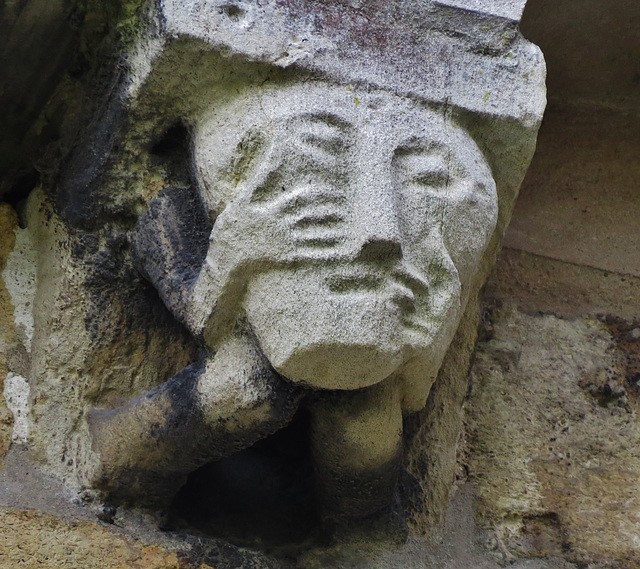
(408, 278)
(400, 285)
(344, 284)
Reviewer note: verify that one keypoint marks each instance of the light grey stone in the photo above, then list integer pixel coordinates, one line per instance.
(408, 46)
(376, 208)
(315, 191)
(16, 394)
(510, 9)
(19, 276)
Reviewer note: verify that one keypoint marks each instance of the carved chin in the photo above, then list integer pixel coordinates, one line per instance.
(337, 366)
(325, 340)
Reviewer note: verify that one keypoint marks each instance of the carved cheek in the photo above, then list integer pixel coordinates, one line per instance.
(469, 223)
(421, 216)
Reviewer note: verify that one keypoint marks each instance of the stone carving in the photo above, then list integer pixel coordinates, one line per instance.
(345, 229)
(315, 192)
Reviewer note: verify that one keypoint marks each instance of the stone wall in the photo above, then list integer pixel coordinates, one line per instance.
(550, 442)
(552, 433)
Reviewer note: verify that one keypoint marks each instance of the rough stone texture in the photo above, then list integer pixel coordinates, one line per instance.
(51, 515)
(32, 539)
(189, 62)
(382, 44)
(350, 246)
(555, 436)
(8, 224)
(552, 429)
(19, 277)
(397, 207)
(552, 421)
(511, 10)
(104, 339)
(80, 362)
(432, 435)
(547, 285)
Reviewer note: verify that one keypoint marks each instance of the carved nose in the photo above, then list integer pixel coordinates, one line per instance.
(380, 236)
(380, 250)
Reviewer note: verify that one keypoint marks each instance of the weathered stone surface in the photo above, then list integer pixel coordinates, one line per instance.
(398, 206)
(243, 76)
(55, 58)
(20, 279)
(34, 539)
(553, 443)
(79, 357)
(8, 224)
(50, 514)
(554, 435)
(30, 539)
(555, 451)
(317, 242)
(387, 45)
(432, 435)
(314, 193)
(36, 47)
(559, 374)
(510, 9)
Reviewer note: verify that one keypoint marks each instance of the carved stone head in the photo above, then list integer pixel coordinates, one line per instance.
(348, 225)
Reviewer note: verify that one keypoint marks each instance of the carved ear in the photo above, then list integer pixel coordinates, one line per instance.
(169, 244)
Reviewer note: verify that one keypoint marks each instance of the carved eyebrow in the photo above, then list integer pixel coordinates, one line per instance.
(325, 131)
(429, 157)
(330, 120)
(421, 146)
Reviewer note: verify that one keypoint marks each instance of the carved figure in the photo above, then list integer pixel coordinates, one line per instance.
(346, 230)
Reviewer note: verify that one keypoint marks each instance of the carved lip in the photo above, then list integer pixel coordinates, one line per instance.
(403, 286)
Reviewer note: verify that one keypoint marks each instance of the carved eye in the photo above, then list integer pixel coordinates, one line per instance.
(432, 179)
(424, 166)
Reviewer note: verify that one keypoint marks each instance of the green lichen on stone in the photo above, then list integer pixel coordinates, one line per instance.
(124, 17)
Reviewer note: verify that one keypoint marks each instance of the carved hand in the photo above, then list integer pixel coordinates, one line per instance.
(169, 244)
(247, 238)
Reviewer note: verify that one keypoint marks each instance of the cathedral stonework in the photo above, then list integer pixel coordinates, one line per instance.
(266, 248)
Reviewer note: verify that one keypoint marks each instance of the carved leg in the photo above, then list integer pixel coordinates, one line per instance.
(208, 410)
(357, 446)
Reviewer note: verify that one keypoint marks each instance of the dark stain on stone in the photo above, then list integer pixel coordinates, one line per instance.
(621, 384)
(210, 552)
(487, 318)
(545, 535)
(261, 497)
(80, 198)
(170, 243)
(626, 335)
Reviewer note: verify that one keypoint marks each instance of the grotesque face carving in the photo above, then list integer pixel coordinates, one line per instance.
(350, 224)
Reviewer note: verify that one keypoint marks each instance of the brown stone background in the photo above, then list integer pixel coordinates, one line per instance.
(552, 432)
(551, 447)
